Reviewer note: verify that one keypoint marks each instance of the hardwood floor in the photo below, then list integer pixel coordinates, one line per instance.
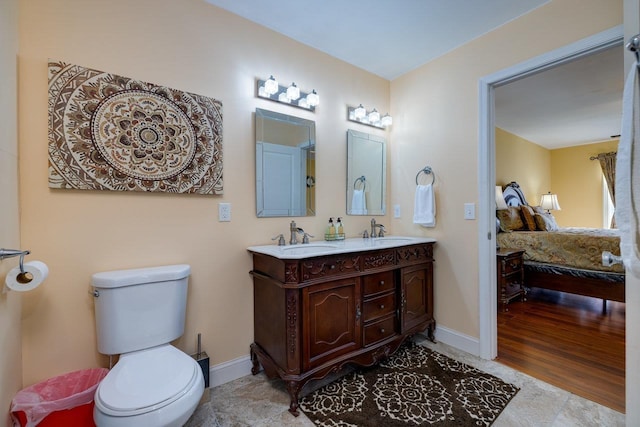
(565, 340)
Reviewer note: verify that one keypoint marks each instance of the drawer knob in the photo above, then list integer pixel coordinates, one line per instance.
(333, 266)
(381, 282)
(381, 306)
(382, 330)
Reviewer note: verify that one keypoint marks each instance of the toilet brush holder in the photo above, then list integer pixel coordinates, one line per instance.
(203, 360)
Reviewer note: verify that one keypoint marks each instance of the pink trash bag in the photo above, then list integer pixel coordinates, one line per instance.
(60, 393)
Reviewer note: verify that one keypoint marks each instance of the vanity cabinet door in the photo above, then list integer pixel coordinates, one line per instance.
(416, 296)
(331, 322)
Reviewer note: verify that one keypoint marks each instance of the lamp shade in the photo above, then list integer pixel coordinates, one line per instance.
(550, 202)
(271, 86)
(293, 92)
(359, 113)
(500, 203)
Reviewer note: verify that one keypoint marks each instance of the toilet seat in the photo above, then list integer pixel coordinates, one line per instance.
(146, 380)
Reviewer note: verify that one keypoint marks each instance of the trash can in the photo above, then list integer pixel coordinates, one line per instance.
(65, 400)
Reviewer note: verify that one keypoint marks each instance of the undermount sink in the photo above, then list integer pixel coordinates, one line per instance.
(391, 240)
(307, 249)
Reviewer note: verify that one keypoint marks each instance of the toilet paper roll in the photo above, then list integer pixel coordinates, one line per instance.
(35, 272)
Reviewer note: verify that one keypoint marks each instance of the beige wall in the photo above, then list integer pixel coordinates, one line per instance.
(435, 111)
(10, 302)
(578, 183)
(567, 172)
(192, 46)
(524, 162)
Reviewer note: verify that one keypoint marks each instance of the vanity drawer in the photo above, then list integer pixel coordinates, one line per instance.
(322, 267)
(379, 259)
(379, 307)
(377, 283)
(415, 254)
(377, 331)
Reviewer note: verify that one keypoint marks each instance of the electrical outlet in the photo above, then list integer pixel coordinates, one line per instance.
(396, 211)
(469, 211)
(224, 212)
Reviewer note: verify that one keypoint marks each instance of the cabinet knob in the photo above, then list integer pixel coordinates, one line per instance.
(381, 282)
(381, 306)
(382, 330)
(333, 266)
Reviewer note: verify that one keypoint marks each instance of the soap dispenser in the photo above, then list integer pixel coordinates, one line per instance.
(340, 230)
(331, 230)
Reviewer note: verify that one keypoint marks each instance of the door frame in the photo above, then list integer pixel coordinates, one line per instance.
(488, 340)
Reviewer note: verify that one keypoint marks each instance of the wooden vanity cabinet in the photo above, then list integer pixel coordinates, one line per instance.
(313, 316)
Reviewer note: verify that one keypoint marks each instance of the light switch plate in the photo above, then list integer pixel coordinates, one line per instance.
(469, 211)
(396, 211)
(224, 212)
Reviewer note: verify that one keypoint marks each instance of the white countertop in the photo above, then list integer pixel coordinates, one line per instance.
(333, 247)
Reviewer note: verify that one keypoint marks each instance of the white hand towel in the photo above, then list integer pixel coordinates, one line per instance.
(424, 210)
(628, 175)
(358, 203)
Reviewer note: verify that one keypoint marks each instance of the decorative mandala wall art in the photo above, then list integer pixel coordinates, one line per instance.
(108, 132)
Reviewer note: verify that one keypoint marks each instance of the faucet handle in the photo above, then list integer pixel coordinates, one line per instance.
(305, 238)
(365, 234)
(280, 238)
(382, 230)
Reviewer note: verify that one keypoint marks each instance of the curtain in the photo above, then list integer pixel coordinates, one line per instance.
(608, 165)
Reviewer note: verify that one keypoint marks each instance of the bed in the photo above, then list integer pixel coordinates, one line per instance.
(561, 259)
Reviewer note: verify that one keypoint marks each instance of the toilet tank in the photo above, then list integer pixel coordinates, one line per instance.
(140, 308)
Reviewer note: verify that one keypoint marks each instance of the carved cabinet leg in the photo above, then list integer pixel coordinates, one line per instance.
(294, 388)
(255, 368)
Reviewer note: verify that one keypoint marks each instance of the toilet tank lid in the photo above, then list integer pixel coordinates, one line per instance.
(119, 278)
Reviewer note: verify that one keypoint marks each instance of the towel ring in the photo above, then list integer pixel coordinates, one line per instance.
(363, 180)
(427, 171)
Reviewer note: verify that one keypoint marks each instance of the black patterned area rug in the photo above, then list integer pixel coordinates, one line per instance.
(414, 387)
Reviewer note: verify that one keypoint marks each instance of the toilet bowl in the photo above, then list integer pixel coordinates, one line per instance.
(157, 387)
(139, 312)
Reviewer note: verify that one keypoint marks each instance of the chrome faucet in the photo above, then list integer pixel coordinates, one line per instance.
(294, 234)
(373, 229)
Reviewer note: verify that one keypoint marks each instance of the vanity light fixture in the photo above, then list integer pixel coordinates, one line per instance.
(371, 118)
(292, 95)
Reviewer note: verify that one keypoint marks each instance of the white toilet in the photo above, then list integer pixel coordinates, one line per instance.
(138, 313)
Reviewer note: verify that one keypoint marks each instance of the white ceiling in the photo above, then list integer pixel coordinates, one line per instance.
(576, 104)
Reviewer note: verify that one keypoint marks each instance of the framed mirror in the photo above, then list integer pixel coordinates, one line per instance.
(285, 165)
(366, 174)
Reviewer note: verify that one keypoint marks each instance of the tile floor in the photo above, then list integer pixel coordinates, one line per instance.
(256, 401)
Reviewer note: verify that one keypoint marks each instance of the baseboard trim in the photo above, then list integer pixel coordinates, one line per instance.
(458, 340)
(229, 371)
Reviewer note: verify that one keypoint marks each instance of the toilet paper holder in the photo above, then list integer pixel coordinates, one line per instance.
(10, 253)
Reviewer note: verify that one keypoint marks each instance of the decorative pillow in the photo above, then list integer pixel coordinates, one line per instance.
(546, 222)
(527, 216)
(538, 209)
(510, 219)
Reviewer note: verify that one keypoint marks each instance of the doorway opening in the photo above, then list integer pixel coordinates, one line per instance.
(487, 177)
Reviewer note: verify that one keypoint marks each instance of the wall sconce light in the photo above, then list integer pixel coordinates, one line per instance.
(270, 89)
(550, 202)
(372, 118)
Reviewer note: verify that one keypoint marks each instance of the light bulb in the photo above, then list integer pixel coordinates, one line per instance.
(386, 120)
(313, 99)
(293, 92)
(359, 112)
(271, 86)
(374, 116)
